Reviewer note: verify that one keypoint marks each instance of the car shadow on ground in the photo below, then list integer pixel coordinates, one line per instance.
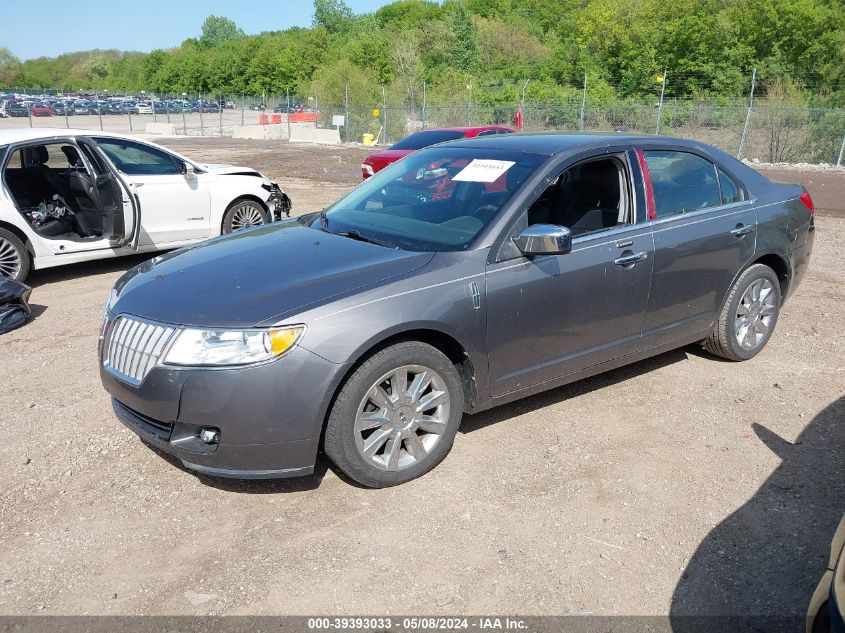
(481, 420)
(758, 568)
(253, 486)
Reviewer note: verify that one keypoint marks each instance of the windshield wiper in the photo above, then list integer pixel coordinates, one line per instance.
(355, 235)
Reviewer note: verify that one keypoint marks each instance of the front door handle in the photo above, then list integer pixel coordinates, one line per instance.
(630, 260)
(741, 231)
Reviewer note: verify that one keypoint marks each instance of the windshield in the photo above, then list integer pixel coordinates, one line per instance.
(438, 199)
(418, 140)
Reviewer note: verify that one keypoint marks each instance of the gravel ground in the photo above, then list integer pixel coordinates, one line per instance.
(680, 484)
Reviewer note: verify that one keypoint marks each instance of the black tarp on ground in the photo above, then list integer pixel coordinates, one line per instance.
(14, 309)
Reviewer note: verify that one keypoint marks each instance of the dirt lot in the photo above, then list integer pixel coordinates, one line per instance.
(679, 484)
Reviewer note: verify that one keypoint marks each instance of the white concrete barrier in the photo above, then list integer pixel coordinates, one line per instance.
(303, 134)
(166, 129)
(249, 131)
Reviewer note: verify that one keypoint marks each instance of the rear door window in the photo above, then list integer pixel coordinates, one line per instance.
(136, 159)
(731, 191)
(683, 182)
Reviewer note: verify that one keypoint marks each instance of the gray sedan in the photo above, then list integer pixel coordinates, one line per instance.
(467, 275)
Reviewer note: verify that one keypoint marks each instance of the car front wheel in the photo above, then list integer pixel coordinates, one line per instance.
(749, 315)
(396, 416)
(243, 214)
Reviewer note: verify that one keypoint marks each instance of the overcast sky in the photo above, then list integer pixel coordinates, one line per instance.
(36, 29)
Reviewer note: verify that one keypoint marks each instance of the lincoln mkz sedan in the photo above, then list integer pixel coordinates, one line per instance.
(464, 276)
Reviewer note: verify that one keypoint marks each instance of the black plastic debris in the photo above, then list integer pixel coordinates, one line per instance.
(14, 309)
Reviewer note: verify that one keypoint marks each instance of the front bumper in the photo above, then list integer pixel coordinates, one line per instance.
(269, 416)
(279, 203)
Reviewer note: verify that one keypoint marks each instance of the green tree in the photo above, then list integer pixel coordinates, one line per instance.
(217, 30)
(333, 15)
(10, 68)
(465, 55)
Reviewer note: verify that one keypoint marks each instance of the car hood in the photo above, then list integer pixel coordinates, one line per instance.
(259, 275)
(230, 170)
(388, 155)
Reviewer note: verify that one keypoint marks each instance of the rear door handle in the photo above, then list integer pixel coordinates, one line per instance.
(742, 231)
(630, 260)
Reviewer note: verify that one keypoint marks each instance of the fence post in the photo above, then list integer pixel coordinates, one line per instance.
(583, 105)
(128, 113)
(29, 113)
(346, 114)
(220, 119)
(287, 116)
(184, 124)
(423, 110)
(100, 114)
(67, 124)
(384, 113)
(841, 152)
(660, 105)
(202, 122)
(747, 115)
(469, 105)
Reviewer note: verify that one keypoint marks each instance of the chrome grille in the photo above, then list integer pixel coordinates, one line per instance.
(133, 347)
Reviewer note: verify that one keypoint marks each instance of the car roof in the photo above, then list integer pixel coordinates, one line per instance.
(552, 143)
(474, 128)
(34, 134)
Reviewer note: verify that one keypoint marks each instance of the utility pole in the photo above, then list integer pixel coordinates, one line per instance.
(384, 113)
(583, 105)
(747, 115)
(660, 105)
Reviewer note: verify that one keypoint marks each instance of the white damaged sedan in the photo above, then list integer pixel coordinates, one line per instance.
(68, 196)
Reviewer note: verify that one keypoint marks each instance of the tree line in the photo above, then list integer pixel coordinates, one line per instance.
(707, 47)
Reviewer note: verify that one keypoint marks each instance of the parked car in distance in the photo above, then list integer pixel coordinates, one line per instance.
(377, 161)
(466, 275)
(257, 107)
(16, 109)
(61, 108)
(144, 107)
(81, 107)
(826, 613)
(75, 195)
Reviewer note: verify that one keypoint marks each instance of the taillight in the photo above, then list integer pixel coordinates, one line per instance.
(807, 199)
(366, 170)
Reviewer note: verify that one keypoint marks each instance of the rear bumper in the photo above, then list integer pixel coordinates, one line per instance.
(269, 417)
(800, 257)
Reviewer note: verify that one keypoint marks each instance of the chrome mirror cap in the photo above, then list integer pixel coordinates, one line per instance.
(544, 239)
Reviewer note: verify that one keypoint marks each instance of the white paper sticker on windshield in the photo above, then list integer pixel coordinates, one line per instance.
(483, 170)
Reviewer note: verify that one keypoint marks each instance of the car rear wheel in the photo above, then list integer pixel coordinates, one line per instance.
(396, 416)
(749, 316)
(14, 260)
(243, 214)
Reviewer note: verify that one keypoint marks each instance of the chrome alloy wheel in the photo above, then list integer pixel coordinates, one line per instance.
(755, 313)
(247, 214)
(401, 418)
(10, 259)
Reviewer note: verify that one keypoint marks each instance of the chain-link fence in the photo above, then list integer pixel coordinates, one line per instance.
(764, 129)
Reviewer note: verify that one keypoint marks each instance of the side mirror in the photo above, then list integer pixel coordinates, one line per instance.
(188, 170)
(544, 239)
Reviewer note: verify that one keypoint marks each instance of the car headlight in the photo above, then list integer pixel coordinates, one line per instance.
(220, 348)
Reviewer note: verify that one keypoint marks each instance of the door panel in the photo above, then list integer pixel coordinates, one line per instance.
(176, 207)
(558, 314)
(696, 258)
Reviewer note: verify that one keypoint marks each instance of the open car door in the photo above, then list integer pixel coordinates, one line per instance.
(116, 198)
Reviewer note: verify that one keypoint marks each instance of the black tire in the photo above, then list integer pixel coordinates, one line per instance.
(11, 247)
(341, 437)
(240, 206)
(723, 340)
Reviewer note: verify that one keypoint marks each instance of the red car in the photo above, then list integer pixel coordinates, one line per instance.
(410, 144)
(41, 109)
